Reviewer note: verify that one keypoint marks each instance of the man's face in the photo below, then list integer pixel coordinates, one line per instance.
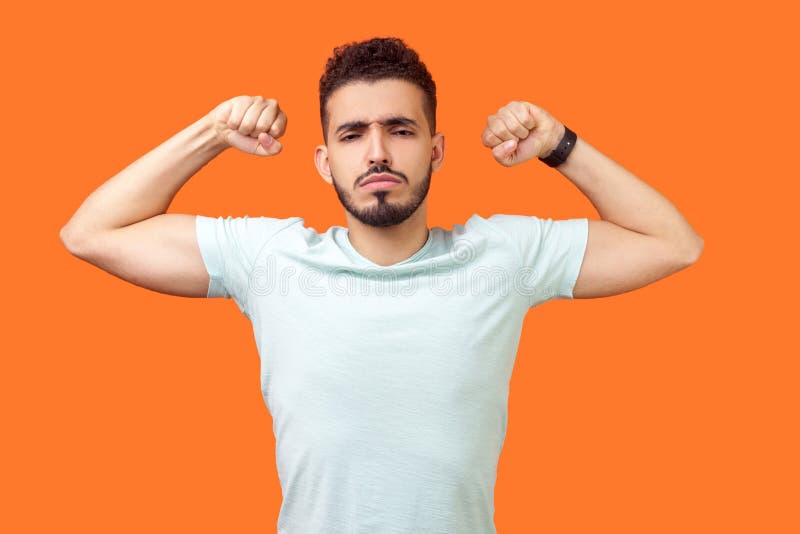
(379, 128)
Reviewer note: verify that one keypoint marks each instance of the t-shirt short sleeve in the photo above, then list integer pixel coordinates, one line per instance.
(552, 252)
(229, 247)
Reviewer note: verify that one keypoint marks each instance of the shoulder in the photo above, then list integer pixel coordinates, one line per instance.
(530, 228)
(502, 226)
(247, 227)
(246, 234)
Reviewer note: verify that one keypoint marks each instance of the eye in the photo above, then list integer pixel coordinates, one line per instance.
(347, 137)
(405, 132)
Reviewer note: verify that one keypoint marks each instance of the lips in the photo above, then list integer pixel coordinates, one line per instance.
(380, 178)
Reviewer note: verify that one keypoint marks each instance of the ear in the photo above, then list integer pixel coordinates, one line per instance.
(322, 163)
(437, 151)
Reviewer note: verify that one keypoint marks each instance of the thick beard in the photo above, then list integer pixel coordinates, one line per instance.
(385, 213)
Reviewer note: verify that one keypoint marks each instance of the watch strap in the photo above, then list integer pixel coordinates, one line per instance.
(560, 153)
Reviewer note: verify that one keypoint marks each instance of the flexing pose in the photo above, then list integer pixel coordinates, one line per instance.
(386, 347)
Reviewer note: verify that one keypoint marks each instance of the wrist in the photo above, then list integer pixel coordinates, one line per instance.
(562, 149)
(555, 138)
(208, 136)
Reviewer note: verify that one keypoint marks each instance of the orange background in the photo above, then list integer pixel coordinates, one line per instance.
(673, 408)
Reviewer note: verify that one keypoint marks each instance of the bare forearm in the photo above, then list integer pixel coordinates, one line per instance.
(146, 187)
(622, 198)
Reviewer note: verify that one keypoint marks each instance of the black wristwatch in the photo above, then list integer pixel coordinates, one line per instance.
(559, 155)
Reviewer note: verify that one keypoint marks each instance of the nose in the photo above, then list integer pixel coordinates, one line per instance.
(377, 151)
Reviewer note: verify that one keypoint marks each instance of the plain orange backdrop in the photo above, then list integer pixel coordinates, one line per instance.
(669, 409)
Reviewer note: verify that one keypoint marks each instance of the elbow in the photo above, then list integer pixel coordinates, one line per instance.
(693, 251)
(72, 240)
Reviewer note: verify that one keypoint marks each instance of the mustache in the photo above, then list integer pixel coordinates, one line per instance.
(380, 169)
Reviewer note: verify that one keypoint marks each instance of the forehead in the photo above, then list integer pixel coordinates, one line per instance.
(372, 101)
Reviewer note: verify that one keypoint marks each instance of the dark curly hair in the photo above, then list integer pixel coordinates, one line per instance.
(372, 60)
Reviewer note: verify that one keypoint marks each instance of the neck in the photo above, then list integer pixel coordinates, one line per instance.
(391, 244)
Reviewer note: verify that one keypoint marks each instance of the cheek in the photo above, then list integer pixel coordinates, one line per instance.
(338, 165)
(422, 160)
(407, 154)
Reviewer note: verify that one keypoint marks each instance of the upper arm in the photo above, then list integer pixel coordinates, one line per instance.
(618, 260)
(160, 253)
(186, 255)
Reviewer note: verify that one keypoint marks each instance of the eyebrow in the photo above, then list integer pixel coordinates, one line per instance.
(388, 121)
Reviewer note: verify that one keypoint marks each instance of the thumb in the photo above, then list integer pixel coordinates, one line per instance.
(267, 145)
(504, 150)
(264, 145)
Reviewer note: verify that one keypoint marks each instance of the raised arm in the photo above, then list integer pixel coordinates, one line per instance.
(123, 227)
(641, 238)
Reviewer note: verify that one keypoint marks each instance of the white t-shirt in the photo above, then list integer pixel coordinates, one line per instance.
(388, 385)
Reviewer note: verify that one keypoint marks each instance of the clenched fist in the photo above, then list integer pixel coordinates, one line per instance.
(250, 123)
(520, 131)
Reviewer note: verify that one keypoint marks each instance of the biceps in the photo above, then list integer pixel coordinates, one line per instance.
(159, 253)
(618, 260)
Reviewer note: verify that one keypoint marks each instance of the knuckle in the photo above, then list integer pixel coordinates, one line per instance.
(527, 116)
(266, 115)
(262, 123)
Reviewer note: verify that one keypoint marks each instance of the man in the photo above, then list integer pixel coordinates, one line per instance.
(386, 346)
